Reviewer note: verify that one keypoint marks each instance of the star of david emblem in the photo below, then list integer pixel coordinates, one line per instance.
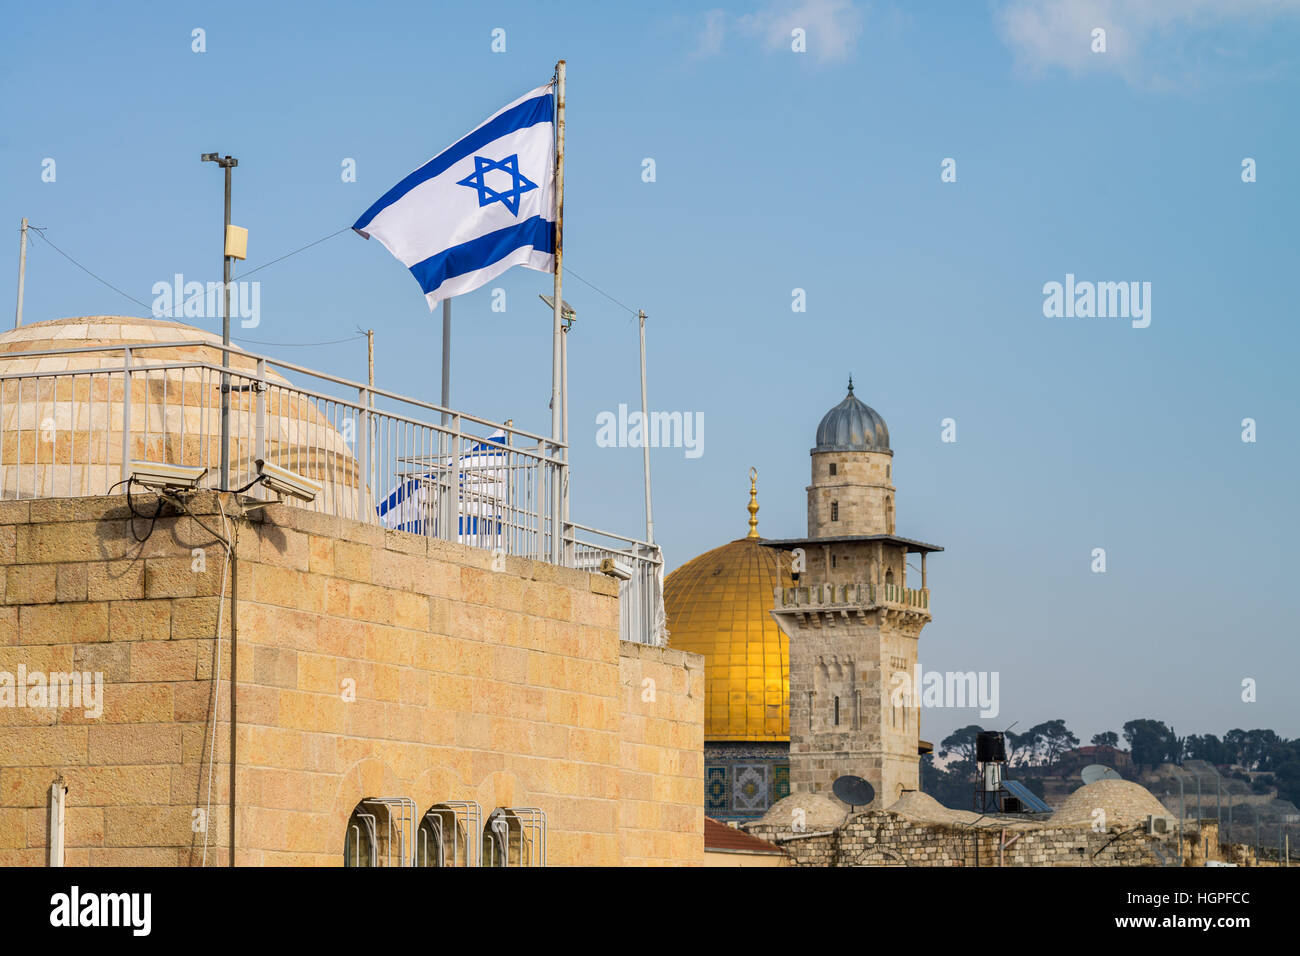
(486, 194)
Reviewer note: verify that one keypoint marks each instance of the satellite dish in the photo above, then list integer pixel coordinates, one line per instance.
(854, 791)
(1095, 771)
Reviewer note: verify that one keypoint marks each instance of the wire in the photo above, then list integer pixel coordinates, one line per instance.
(40, 231)
(216, 682)
(153, 519)
(296, 251)
(296, 345)
(600, 290)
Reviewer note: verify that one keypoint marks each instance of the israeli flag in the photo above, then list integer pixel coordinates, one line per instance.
(482, 205)
(483, 491)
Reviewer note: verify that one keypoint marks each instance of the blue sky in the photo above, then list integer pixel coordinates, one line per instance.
(778, 170)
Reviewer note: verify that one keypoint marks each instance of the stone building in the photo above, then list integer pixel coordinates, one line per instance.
(1108, 823)
(207, 677)
(804, 639)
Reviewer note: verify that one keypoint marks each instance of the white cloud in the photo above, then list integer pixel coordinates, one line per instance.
(1058, 33)
(715, 27)
(832, 28)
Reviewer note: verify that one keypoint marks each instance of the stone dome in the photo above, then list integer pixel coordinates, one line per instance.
(820, 812)
(1124, 802)
(717, 605)
(852, 426)
(61, 433)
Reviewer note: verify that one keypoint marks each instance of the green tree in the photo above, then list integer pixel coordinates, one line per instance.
(961, 743)
(1107, 739)
(1056, 740)
(1022, 749)
(1209, 748)
(1151, 742)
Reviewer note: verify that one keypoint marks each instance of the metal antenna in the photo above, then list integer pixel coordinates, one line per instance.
(22, 270)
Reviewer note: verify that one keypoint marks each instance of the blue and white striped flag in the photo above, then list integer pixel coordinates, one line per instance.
(482, 205)
(483, 491)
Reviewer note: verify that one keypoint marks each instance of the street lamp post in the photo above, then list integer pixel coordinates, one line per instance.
(227, 163)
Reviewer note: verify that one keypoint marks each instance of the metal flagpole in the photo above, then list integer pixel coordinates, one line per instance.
(22, 270)
(448, 487)
(559, 489)
(446, 357)
(645, 438)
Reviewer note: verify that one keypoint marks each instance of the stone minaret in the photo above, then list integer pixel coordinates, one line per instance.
(852, 621)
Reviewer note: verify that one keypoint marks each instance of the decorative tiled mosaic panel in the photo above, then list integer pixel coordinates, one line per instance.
(715, 791)
(750, 788)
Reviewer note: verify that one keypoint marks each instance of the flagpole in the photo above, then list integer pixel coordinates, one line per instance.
(446, 356)
(559, 490)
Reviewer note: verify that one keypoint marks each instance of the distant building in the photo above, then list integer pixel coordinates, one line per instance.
(802, 638)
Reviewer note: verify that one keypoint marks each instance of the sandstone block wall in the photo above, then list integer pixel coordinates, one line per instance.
(661, 780)
(370, 663)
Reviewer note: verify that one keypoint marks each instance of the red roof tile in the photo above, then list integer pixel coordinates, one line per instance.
(719, 836)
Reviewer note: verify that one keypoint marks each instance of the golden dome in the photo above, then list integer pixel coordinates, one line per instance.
(717, 605)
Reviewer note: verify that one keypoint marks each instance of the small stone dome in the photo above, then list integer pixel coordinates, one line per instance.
(62, 411)
(820, 812)
(1124, 803)
(921, 806)
(852, 426)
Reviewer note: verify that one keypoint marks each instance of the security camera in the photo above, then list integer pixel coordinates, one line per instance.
(284, 482)
(163, 477)
(615, 570)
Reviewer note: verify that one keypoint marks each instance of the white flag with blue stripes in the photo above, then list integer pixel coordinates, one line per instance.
(482, 205)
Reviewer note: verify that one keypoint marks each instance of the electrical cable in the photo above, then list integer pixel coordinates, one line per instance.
(40, 230)
(216, 677)
(601, 291)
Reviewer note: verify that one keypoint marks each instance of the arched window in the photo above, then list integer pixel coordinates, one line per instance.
(837, 711)
(514, 836)
(361, 843)
(443, 838)
(889, 576)
(380, 832)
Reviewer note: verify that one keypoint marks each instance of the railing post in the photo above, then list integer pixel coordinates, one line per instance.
(126, 414)
(364, 464)
(260, 441)
(455, 516)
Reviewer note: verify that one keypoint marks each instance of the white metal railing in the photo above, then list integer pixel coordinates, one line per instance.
(381, 457)
(640, 596)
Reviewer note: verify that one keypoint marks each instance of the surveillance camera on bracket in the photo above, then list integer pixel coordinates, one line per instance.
(160, 476)
(615, 570)
(285, 482)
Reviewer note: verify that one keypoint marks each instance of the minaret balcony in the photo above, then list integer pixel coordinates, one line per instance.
(827, 601)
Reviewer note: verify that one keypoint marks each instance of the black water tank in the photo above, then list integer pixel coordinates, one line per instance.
(990, 747)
